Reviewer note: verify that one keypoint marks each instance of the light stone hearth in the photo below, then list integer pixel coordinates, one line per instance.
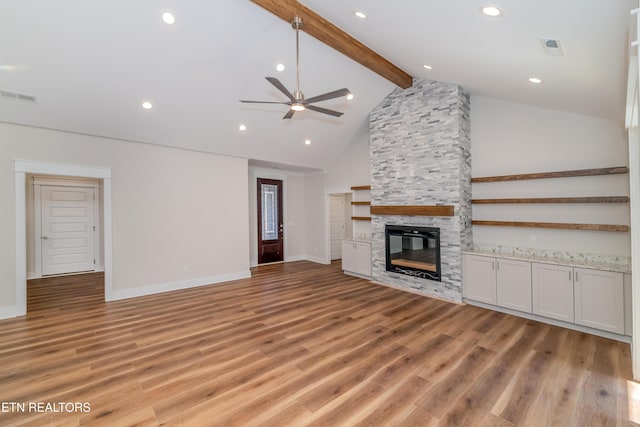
(421, 155)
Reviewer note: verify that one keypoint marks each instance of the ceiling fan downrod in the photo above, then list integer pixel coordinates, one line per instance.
(297, 94)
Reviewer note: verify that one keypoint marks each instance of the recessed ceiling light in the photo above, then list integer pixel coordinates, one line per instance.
(491, 11)
(280, 67)
(428, 67)
(147, 105)
(360, 15)
(535, 80)
(350, 96)
(242, 127)
(168, 18)
(307, 142)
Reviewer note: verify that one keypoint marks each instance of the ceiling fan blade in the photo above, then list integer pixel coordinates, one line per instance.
(288, 115)
(324, 110)
(262, 102)
(329, 95)
(280, 87)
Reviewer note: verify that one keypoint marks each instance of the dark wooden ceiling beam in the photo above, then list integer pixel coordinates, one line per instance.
(323, 30)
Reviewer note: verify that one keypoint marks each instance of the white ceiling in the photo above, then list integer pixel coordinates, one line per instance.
(92, 63)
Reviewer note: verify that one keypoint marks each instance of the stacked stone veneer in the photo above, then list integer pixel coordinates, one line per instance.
(421, 155)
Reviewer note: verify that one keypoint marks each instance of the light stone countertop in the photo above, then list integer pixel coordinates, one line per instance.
(571, 261)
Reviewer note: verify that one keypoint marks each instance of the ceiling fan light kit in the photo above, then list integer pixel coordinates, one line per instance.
(297, 102)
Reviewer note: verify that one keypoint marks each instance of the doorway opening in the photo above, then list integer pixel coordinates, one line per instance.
(340, 225)
(21, 169)
(270, 221)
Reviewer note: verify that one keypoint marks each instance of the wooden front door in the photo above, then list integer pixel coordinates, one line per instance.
(270, 221)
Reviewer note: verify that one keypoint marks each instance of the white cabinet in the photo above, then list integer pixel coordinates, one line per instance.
(582, 296)
(552, 290)
(587, 297)
(513, 284)
(599, 299)
(502, 282)
(356, 257)
(479, 276)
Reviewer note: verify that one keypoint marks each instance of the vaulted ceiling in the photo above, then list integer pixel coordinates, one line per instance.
(90, 65)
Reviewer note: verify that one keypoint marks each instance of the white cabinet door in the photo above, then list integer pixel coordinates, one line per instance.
(552, 291)
(599, 299)
(479, 277)
(356, 257)
(349, 260)
(363, 258)
(513, 280)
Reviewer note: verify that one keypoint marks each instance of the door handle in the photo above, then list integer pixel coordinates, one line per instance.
(45, 237)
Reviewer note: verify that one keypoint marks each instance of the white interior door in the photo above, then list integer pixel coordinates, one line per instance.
(67, 229)
(336, 224)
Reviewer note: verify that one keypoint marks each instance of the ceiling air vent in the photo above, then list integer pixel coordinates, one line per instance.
(8, 94)
(552, 47)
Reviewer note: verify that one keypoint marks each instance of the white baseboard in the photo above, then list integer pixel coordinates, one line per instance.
(560, 323)
(175, 286)
(295, 258)
(32, 275)
(317, 259)
(9, 312)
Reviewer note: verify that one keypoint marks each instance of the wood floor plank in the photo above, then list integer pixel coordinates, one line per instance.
(301, 344)
(443, 395)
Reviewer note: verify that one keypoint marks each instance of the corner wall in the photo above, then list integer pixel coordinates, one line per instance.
(179, 217)
(509, 138)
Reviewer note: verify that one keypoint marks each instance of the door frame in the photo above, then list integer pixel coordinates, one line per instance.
(342, 196)
(254, 174)
(280, 202)
(21, 169)
(38, 183)
(327, 221)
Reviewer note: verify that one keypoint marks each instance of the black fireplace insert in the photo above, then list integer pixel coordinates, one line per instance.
(414, 251)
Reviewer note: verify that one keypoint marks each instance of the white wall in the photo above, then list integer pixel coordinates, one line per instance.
(179, 217)
(508, 138)
(350, 167)
(294, 212)
(316, 210)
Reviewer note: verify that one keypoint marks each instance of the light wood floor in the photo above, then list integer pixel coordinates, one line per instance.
(302, 344)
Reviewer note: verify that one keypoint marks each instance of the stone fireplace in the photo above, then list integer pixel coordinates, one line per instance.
(420, 156)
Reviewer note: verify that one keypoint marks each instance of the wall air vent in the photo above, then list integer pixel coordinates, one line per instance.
(8, 94)
(552, 47)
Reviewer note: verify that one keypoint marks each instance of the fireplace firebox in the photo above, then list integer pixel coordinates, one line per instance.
(414, 251)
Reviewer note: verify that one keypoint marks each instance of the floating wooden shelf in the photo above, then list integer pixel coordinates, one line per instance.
(361, 203)
(561, 174)
(591, 227)
(361, 218)
(413, 210)
(361, 187)
(606, 199)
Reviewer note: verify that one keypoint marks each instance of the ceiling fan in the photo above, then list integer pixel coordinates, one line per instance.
(297, 101)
